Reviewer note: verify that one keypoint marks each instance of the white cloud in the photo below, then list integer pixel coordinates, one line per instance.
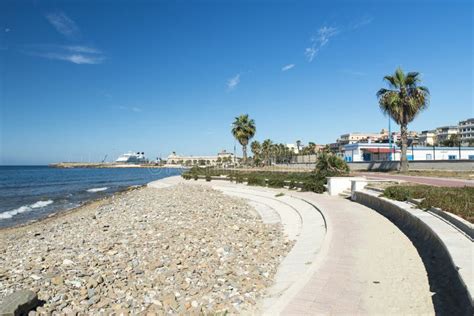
(83, 59)
(78, 59)
(362, 22)
(75, 54)
(319, 41)
(287, 67)
(133, 108)
(63, 24)
(233, 82)
(83, 49)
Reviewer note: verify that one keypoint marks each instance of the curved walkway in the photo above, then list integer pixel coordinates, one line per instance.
(347, 259)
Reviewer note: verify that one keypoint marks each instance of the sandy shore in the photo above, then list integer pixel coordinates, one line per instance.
(185, 249)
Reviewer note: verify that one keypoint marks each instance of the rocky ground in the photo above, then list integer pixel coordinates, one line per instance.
(186, 249)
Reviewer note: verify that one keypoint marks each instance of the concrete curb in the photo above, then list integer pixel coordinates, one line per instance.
(454, 220)
(444, 250)
(458, 222)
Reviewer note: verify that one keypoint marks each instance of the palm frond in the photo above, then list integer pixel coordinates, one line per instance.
(392, 81)
(424, 89)
(400, 75)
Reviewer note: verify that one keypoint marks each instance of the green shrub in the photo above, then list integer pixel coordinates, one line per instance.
(399, 193)
(276, 183)
(459, 201)
(292, 185)
(186, 176)
(256, 180)
(313, 185)
(330, 165)
(196, 177)
(208, 178)
(239, 178)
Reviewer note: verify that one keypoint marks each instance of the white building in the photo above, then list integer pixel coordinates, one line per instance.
(444, 133)
(383, 152)
(427, 138)
(466, 131)
(222, 158)
(294, 148)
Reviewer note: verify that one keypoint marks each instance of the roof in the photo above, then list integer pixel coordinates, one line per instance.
(381, 150)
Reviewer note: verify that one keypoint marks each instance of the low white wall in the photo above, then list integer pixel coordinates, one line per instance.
(337, 185)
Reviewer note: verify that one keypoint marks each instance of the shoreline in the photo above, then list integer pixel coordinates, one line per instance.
(89, 203)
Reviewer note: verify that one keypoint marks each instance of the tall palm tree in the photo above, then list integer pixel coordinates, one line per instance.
(267, 150)
(402, 102)
(298, 145)
(243, 130)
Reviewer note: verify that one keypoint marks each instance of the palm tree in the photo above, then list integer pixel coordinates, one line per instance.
(298, 145)
(243, 130)
(256, 148)
(266, 150)
(402, 102)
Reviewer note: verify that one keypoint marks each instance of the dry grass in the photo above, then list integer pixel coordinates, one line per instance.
(459, 201)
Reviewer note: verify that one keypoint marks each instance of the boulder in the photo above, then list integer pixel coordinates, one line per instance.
(19, 303)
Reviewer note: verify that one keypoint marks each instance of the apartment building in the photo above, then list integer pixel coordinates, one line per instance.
(445, 132)
(466, 131)
(427, 138)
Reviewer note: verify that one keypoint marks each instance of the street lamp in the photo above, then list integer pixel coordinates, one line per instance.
(390, 139)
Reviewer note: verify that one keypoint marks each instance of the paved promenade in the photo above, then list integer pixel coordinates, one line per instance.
(347, 258)
(441, 182)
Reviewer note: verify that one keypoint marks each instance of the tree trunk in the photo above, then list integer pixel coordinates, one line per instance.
(403, 158)
(244, 152)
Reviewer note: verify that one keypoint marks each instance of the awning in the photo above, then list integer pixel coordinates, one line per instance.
(380, 150)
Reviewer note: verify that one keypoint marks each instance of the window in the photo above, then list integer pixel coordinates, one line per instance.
(429, 157)
(471, 157)
(452, 157)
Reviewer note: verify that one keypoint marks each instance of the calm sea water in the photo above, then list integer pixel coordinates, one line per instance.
(33, 192)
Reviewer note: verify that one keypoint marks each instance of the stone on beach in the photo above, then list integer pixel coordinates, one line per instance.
(186, 249)
(19, 303)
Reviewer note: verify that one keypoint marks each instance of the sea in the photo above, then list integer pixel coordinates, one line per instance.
(33, 192)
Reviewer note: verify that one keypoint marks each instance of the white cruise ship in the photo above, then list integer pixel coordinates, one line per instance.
(132, 157)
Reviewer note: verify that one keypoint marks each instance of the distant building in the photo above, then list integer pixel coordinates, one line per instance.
(294, 148)
(466, 131)
(369, 138)
(356, 137)
(382, 152)
(444, 133)
(427, 138)
(222, 158)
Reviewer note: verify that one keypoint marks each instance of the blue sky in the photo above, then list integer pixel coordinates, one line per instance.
(81, 79)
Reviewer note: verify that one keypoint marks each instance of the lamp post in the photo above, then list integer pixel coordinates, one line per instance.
(390, 139)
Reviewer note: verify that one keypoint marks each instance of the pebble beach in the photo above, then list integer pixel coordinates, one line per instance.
(187, 249)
